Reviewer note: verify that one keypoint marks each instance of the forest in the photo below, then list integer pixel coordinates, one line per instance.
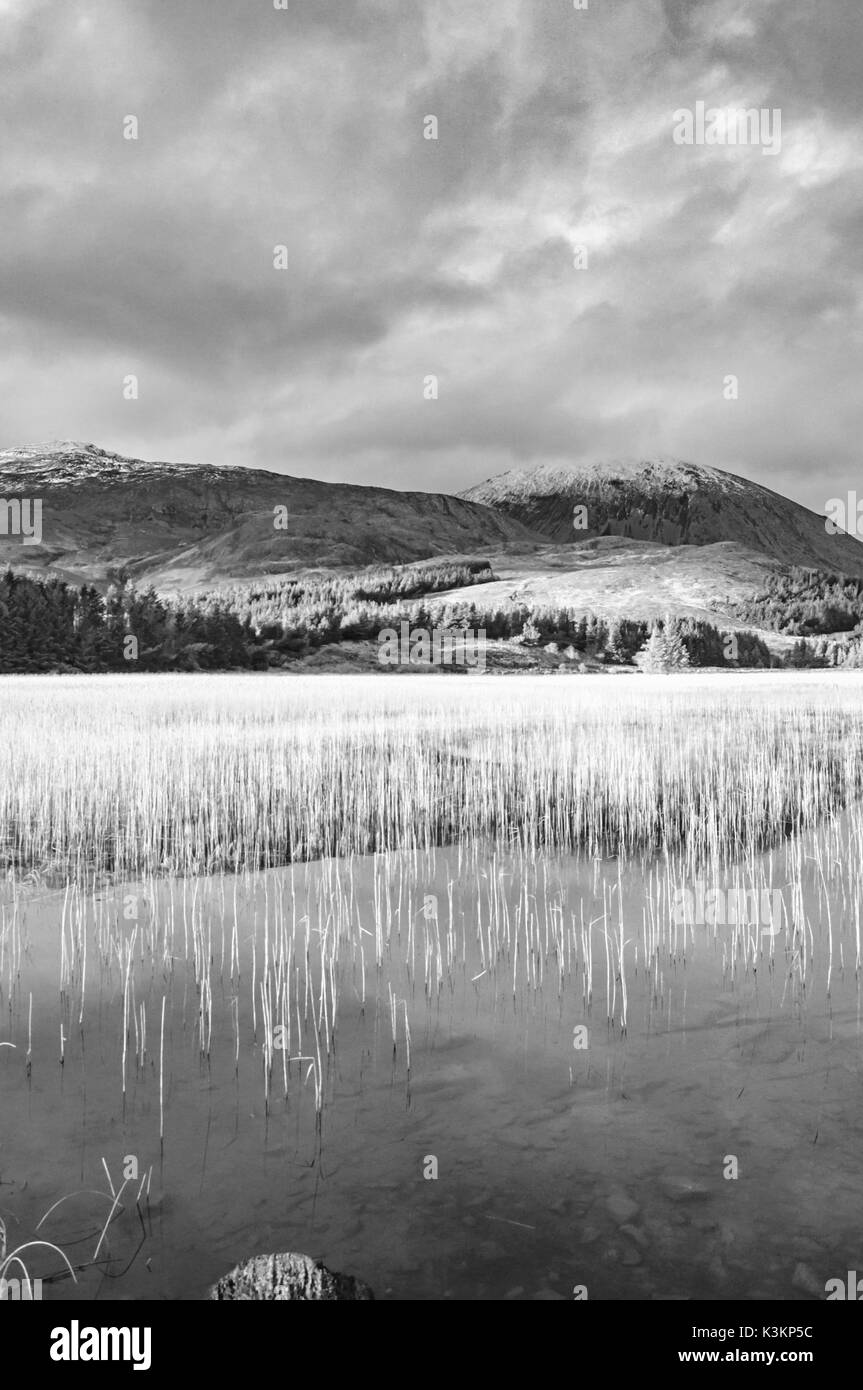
(49, 625)
(806, 602)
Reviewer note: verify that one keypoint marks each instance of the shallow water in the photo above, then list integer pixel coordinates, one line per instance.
(557, 1165)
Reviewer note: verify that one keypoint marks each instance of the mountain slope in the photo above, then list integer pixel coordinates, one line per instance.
(620, 578)
(183, 525)
(669, 502)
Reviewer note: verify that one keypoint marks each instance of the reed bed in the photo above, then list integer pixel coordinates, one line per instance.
(162, 806)
(187, 776)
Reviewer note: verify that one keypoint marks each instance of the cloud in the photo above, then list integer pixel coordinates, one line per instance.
(453, 257)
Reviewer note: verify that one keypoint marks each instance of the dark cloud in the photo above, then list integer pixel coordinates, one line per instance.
(411, 257)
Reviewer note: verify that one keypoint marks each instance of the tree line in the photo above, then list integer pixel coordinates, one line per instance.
(49, 625)
(805, 602)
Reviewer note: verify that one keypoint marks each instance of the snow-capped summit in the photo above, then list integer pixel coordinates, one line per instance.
(670, 501)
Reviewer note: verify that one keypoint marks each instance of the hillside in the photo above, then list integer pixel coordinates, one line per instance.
(181, 526)
(663, 536)
(621, 578)
(671, 503)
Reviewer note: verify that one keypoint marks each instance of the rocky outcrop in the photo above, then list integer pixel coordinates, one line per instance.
(288, 1277)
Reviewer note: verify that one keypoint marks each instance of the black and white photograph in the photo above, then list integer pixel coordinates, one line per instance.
(431, 667)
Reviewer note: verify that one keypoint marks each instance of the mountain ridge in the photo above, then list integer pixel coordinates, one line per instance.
(670, 501)
(178, 525)
(181, 526)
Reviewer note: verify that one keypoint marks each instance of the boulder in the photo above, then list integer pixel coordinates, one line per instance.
(288, 1277)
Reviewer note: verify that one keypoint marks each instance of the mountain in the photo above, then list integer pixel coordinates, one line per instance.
(185, 525)
(662, 536)
(671, 503)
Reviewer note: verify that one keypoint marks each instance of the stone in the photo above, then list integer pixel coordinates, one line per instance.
(716, 1269)
(621, 1208)
(288, 1278)
(806, 1248)
(490, 1250)
(548, 1296)
(708, 1224)
(807, 1281)
(684, 1189)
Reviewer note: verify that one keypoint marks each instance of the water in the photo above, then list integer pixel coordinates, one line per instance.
(559, 1165)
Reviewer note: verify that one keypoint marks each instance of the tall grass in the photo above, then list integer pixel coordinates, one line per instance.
(189, 776)
(190, 788)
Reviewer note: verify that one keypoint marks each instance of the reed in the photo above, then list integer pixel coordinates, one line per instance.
(194, 791)
(194, 777)
(162, 1077)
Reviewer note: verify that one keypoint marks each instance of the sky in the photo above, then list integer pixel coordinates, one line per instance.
(579, 284)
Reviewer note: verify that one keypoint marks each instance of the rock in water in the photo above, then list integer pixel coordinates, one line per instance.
(288, 1277)
(807, 1281)
(683, 1189)
(621, 1208)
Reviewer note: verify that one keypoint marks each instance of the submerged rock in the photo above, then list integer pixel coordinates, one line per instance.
(684, 1189)
(635, 1234)
(805, 1279)
(621, 1208)
(289, 1277)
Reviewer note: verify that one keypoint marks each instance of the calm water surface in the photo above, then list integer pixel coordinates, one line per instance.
(558, 1165)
